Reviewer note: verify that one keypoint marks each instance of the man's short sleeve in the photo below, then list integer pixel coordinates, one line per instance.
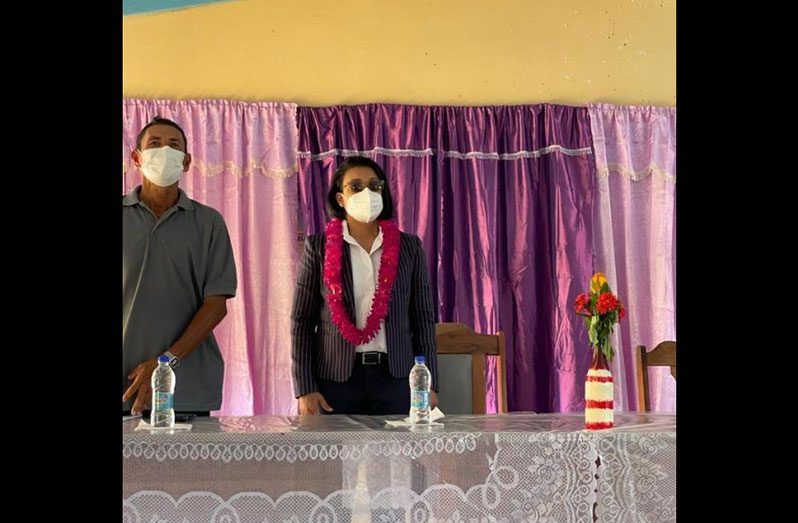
(220, 276)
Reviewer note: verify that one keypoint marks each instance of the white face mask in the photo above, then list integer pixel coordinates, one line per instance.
(364, 206)
(162, 166)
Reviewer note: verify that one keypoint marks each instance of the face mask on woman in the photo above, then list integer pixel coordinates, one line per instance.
(364, 206)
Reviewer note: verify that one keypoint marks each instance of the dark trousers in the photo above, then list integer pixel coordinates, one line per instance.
(370, 390)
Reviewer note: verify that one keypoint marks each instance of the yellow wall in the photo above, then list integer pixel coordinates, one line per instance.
(463, 52)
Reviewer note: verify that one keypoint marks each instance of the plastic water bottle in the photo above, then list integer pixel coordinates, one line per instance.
(163, 391)
(420, 380)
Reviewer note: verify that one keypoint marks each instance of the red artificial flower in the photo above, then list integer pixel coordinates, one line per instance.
(607, 302)
(597, 308)
(583, 304)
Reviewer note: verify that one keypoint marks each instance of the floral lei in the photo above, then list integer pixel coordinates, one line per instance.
(389, 263)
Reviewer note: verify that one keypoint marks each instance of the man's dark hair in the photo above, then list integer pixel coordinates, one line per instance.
(161, 121)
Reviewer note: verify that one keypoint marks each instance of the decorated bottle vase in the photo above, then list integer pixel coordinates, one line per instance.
(599, 394)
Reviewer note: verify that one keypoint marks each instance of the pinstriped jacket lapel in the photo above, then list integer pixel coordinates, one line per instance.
(349, 289)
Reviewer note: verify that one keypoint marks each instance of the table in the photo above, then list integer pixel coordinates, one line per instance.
(516, 467)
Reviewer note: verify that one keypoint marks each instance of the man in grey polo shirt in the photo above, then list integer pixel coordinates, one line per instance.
(178, 272)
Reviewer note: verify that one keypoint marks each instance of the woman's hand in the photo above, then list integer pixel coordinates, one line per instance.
(311, 404)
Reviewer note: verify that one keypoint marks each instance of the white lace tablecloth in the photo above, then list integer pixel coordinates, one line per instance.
(509, 467)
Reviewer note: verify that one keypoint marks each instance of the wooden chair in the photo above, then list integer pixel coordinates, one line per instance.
(663, 355)
(462, 355)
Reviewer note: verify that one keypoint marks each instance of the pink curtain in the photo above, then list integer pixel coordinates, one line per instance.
(244, 166)
(635, 236)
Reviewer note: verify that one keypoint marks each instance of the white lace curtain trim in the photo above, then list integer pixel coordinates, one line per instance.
(210, 169)
(480, 155)
(636, 176)
(634, 141)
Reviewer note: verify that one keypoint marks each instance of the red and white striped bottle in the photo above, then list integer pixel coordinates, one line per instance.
(599, 394)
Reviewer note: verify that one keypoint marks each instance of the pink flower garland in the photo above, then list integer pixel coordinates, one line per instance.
(389, 263)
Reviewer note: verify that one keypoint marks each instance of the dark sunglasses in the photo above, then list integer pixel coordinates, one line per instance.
(357, 185)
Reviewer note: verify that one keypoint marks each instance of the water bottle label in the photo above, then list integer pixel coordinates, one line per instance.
(163, 401)
(419, 399)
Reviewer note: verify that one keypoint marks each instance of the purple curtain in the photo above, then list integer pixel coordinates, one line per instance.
(635, 236)
(502, 199)
(244, 161)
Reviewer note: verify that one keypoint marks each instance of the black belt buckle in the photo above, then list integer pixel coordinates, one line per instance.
(370, 358)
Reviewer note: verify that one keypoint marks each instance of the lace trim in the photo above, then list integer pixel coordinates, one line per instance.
(537, 153)
(553, 479)
(643, 464)
(418, 153)
(227, 452)
(214, 169)
(520, 154)
(635, 176)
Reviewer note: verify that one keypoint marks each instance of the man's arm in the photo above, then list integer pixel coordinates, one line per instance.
(210, 313)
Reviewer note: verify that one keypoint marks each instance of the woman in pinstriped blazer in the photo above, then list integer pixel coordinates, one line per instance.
(354, 340)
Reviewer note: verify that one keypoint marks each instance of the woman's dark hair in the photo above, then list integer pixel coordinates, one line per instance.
(335, 210)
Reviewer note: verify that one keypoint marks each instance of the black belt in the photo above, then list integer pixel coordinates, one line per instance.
(371, 358)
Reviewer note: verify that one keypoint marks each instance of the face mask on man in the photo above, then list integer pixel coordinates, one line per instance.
(162, 166)
(364, 206)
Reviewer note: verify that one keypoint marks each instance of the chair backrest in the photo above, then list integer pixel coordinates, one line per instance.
(462, 358)
(663, 355)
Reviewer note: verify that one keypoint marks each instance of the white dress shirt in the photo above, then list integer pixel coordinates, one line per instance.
(365, 274)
